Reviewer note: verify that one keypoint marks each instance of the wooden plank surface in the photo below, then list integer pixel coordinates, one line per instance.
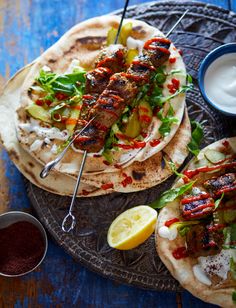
(232, 5)
(27, 28)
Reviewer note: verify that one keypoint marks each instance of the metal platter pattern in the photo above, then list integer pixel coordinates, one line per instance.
(204, 28)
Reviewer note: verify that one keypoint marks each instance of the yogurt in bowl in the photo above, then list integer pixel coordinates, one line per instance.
(217, 78)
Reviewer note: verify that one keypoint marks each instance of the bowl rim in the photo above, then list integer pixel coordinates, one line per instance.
(206, 62)
(44, 234)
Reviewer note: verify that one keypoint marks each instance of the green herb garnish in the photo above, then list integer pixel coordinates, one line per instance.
(174, 169)
(170, 195)
(218, 201)
(234, 297)
(69, 84)
(230, 237)
(167, 121)
(197, 135)
(233, 268)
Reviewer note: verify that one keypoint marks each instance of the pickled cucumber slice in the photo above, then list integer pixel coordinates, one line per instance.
(39, 113)
(111, 35)
(71, 122)
(131, 54)
(133, 127)
(125, 33)
(214, 156)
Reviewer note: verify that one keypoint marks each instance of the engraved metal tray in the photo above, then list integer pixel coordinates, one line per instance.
(204, 28)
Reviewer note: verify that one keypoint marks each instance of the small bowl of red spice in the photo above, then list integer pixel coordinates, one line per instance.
(23, 243)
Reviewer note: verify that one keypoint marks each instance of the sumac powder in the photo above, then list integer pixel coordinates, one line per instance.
(22, 247)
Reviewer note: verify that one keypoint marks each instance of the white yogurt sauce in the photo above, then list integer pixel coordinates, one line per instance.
(216, 265)
(75, 63)
(169, 233)
(201, 275)
(135, 44)
(44, 132)
(54, 149)
(36, 145)
(220, 82)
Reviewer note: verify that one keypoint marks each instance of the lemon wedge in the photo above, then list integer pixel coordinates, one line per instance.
(132, 227)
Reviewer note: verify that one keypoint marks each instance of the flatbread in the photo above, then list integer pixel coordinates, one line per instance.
(146, 174)
(182, 269)
(83, 42)
(26, 164)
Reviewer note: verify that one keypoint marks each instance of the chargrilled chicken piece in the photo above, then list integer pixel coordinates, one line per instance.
(197, 206)
(223, 184)
(204, 240)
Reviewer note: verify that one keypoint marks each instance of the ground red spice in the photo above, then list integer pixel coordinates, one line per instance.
(22, 248)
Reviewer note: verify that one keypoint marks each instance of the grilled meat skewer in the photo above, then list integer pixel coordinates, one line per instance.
(121, 90)
(204, 240)
(197, 206)
(109, 61)
(223, 184)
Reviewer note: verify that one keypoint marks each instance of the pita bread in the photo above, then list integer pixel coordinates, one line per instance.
(83, 42)
(218, 293)
(146, 174)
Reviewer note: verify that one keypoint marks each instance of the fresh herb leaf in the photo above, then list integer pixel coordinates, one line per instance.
(183, 89)
(176, 72)
(233, 268)
(69, 84)
(218, 201)
(45, 79)
(170, 195)
(167, 121)
(111, 139)
(197, 135)
(174, 169)
(234, 297)
(230, 237)
(183, 230)
(160, 76)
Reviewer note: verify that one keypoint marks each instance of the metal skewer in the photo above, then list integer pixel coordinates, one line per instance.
(69, 221)
(54, 162)
(121, 21)
(177, 22)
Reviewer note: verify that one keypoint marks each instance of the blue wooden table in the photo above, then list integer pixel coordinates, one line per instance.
(27, 28)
